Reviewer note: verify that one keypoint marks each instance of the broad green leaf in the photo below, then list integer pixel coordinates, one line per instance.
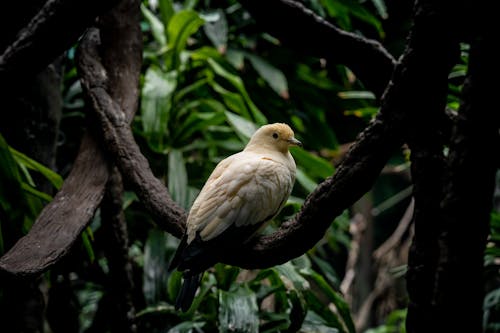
(181, 26)
(189, 89)
(177, 178)
(233, 101)
(216, 29)
(166, 11)
(51, 176)
(236, 58)
(305, 181)
(243, 127)
(238, 311)
(174, 283)
(313, 323)
(333, 296)
(273, 76)
(226, 275)
(289, 273)
(190, 4)
(315, 166)
(157, 27)
(200, 121)
(156, 105)
(237, 83)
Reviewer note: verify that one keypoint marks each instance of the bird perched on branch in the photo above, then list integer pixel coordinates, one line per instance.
(244, 191)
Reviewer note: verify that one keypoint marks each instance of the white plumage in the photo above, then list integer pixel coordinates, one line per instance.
(243, 192)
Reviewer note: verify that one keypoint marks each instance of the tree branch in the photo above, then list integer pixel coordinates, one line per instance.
(468, 191)
(63, 219)
(120, 142)
(53, 30)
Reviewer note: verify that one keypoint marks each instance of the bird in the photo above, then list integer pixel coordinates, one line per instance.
(244, 192)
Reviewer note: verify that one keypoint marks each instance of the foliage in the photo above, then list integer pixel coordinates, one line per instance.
(20, 201)
(210, 78)
(198, 105)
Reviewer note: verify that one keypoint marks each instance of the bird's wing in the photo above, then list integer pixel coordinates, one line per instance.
(244, 190)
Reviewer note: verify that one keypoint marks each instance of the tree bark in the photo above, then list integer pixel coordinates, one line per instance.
(63, 219)
(468, 191)
(436, 48)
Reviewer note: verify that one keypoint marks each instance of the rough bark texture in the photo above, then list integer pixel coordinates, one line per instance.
(435, 50)
(469, 192)
(61, 221)
(120, 142)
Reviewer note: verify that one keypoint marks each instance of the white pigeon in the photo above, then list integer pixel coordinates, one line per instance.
(245, 191)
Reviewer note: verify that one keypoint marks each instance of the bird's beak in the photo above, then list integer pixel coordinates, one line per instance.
(294, 142)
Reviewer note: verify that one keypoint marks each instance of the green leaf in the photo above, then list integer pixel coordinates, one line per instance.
(199, 121)
(244, 128)
(166, 11)
(237, 83)
(156, 105)
(24, 160)
(315, 166)
(313, 323)
(238, 311)
(273, 76)
(236, 58)
(177, 178)
(181, 26)
(38, 194)
(289, 274)
(233, 101)
(216, 29)
(333, 296)
(305, 181)
(87, 244)
(157, 27)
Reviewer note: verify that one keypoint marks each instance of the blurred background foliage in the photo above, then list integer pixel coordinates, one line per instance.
(210, 77)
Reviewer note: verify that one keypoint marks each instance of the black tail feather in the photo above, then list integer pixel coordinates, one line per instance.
(188, 290)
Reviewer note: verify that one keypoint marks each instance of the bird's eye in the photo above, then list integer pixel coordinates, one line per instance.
(275, 135)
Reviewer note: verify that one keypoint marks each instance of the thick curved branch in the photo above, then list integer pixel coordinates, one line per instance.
(53, 30)
(297, 25)
(120, 142)
(63, 219)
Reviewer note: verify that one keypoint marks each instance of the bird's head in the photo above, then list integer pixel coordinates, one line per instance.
(276, 136)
